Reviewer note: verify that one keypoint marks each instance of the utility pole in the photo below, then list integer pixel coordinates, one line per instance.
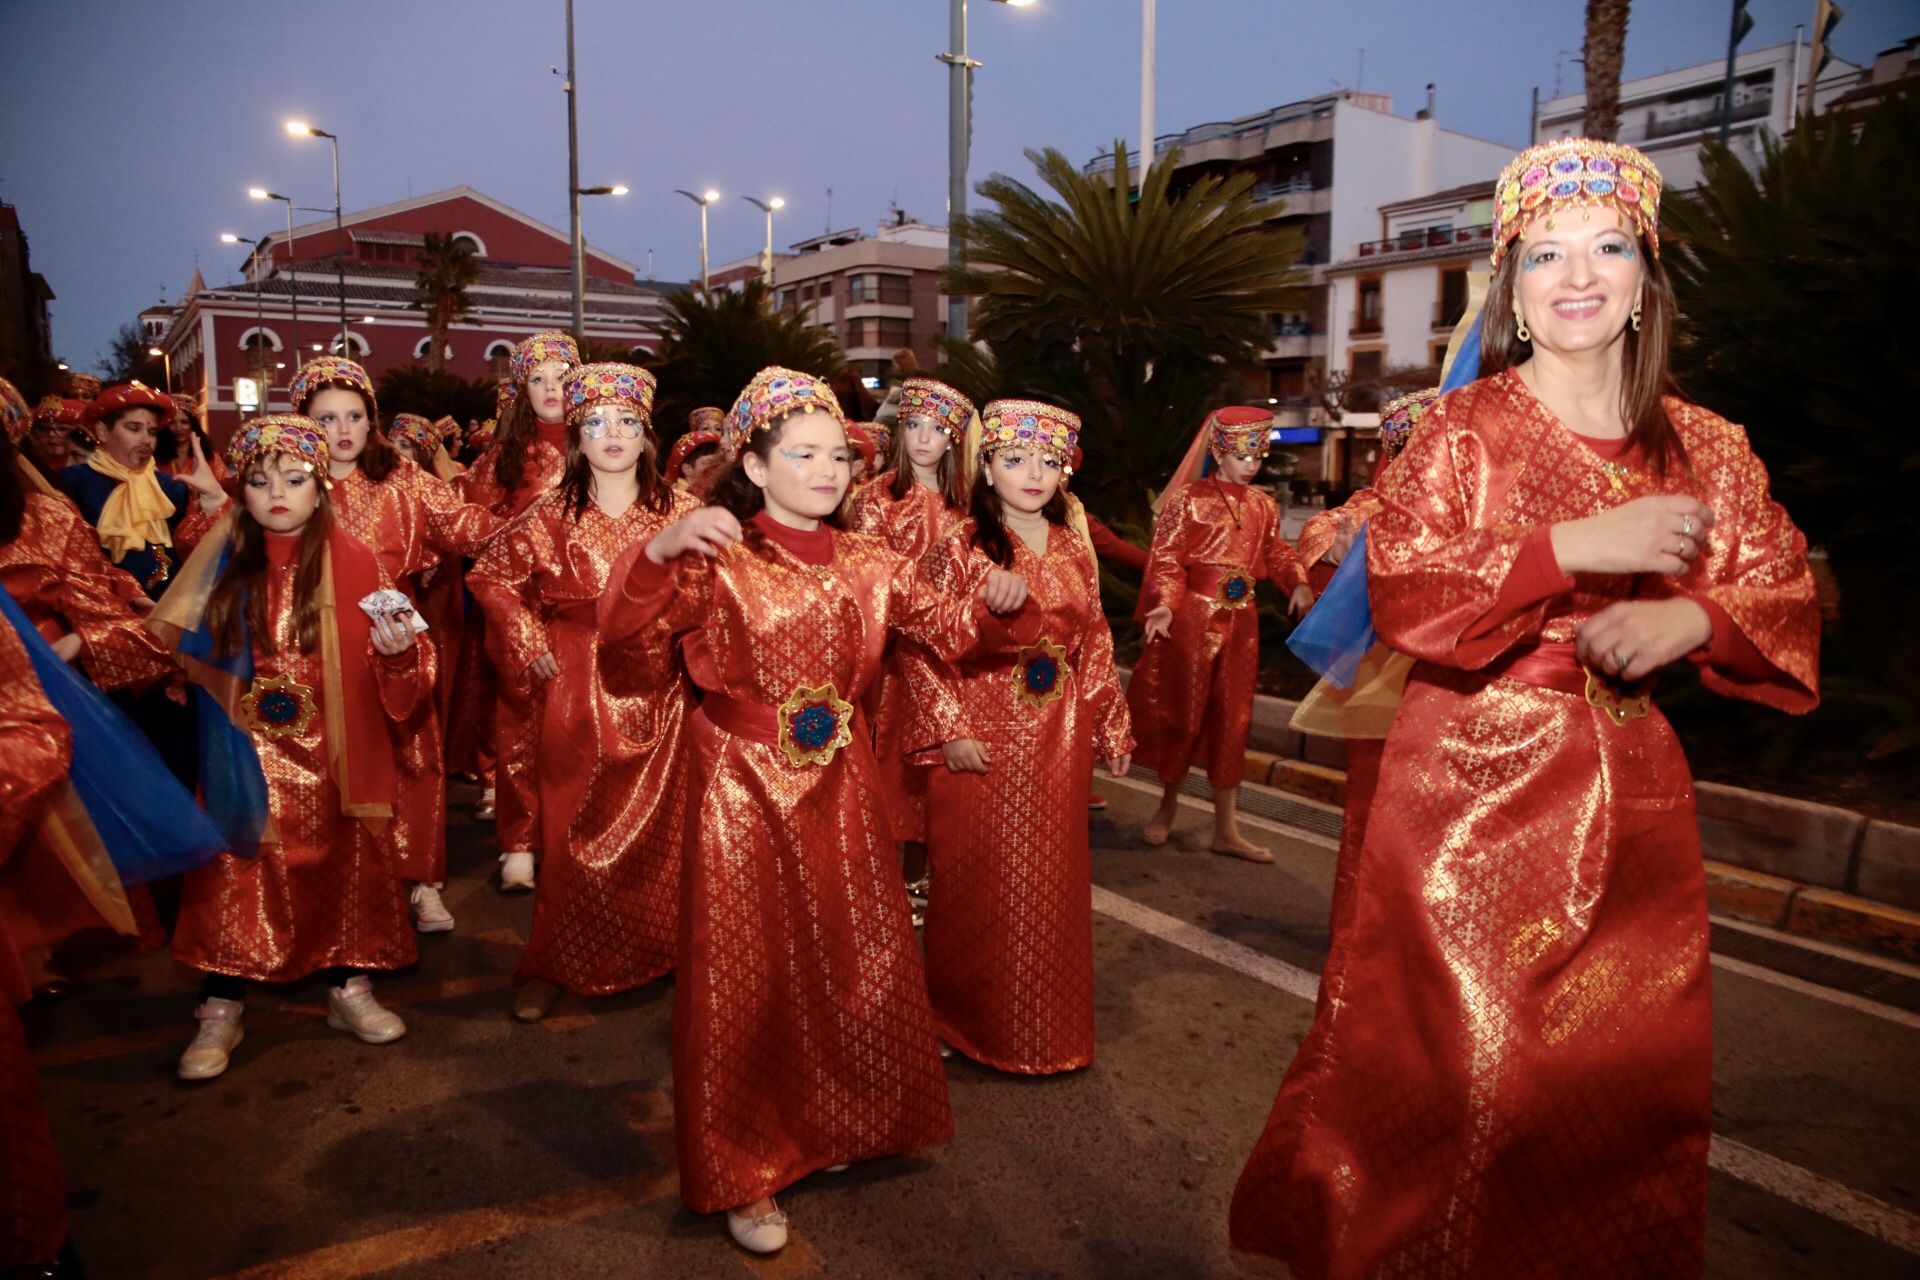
(573, 191)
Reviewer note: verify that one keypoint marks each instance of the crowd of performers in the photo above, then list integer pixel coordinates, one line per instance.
(714, 703)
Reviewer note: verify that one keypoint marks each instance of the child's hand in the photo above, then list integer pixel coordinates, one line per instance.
(1300, 601)
(709, 531)
(965, 755)
(1003, 592)
(1158, 624)
(393, 633)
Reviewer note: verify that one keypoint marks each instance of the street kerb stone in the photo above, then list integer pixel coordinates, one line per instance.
(1748, 895)
(1856, 922)
(1811, 843)
(1316, 782)
(1890, 864)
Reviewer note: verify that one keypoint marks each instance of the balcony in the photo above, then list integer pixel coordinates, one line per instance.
(1365, 327)
(1429, 238)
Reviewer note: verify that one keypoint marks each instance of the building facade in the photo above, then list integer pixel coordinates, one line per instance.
(225, 342)
(1336, 168)
(1669, 115)
(876, 294)
(26, 328)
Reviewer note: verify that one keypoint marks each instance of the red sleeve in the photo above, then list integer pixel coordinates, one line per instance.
(1534, 577)
(1729, 651)
(1110, 546)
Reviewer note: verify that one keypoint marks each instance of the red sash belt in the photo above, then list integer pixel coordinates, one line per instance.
(1546, 666)
(1211, 580)
(754, 721)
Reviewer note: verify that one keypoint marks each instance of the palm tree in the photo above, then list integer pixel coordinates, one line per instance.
(412, 389)
(1605, 48)
(1135, 313)
(711, 346)
(446, 267)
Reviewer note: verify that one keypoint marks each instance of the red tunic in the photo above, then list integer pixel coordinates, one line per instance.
(328, 892)
(1510, 1074)
(1192, 693)
(411, 520)
(613, 750)
(516, 724)
(802, 1037)
(1318, 534)
(1009, 932)
(909, 525)
(36, 751)
(55, 573)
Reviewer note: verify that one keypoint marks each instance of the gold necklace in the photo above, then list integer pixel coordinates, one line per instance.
(1616, 473)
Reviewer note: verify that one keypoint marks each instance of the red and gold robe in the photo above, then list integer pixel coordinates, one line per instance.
(413, 521)
(1009, 932)
(324, 891)
(1192, 693)
(36, 752)
(1319, 533)
(613, 754)
(516, 713)
(1511, 1074)
(55, 573)
(909, 525)
(802, 1037)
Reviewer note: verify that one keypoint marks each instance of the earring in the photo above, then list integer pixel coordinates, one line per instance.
(1635, 318)
(1520, 330)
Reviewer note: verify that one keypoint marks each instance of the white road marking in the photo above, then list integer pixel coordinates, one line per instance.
(1776, 1177)
(1846, 999)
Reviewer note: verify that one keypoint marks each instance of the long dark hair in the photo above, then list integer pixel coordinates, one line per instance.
(952, 484)
(379, 457)
(13, 492)
(166, 445)
(990, 530)
(241, 591)
(735, 490)
(511, 441)
(576, 485)
(1648, 375)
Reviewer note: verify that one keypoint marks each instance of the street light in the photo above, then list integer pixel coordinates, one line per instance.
(959, 118)
(580, 254)
(259, 308)
(767, 207)
(261, 193)
(166, 362)
(703, 200)
(301, 129)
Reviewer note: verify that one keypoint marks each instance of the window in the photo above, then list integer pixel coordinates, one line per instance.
(1453, 297)
(472, 241)
(1367, 313)
(826, 288)
(1363, 382)
(357, 345)
(806, 292)
(894, 291)
(499, 358)
(1439, 354)
(879, 331)
(420, 349)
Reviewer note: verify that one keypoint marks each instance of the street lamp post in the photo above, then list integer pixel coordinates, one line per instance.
(261, 193)
(1147, 12)
(573, 192)
(767, 207)
(260, 315)
(703, 200)
(959, 130)
(301, 129)
(166, 362)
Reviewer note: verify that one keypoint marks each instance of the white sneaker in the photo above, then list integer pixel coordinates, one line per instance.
(766, 1233)
(430, 914)
(487, 807)
(213, 1043)
(516, 871)
(353, 1008)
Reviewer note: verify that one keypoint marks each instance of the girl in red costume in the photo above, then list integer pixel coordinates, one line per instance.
(1192, 692)
(523, 465)
(612, 744)
(412, 521)
(266, 617)
(802, 1039)
(1009, 936)
(1521, 970)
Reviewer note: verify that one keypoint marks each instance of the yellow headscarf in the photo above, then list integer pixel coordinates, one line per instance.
(135, 514)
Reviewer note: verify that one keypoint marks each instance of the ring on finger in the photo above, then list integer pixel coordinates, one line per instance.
(1686, 526)
(1619, 663)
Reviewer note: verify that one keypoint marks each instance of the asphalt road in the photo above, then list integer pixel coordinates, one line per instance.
(478, 1146)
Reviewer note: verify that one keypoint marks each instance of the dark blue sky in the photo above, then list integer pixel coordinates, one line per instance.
(132, 129)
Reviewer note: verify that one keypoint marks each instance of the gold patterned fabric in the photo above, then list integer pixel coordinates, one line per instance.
(802, 1035)
(327, 892)
(54, 572)
(909, 525)
(1009, 929)
(411, 521)
(1511, 1074)
(1192, 693)
(613, 755)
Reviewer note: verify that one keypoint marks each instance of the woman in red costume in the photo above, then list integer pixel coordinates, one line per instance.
(802, 1039)
(268, 620)
(412, 521)
(917, 501)
(612, 746)
(523, 465)
(1523, 970)
(1009, 936)
(1192, 692)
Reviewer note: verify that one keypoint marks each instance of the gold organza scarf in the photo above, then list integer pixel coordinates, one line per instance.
(136, 513)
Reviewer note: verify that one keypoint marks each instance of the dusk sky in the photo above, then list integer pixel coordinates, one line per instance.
(132, 130)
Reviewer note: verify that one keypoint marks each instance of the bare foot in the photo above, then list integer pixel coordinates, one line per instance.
(1234, 845)
(535, 1000)
(1158, 828)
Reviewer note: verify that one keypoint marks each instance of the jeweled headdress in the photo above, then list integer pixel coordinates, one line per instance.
(539, 348)
(707, 418)
(590, 385)
(321, 372)
(1577, 173)
(1046, 427)
(413, 429)
(15, 418)
(1399, 416)
(1240, 430)
(931, 398)
(774, 395)
(294, 434)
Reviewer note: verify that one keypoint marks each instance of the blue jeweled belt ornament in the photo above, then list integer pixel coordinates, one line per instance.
(278, 706)
(1235, 590)
(1039, 673)
(814, 723)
